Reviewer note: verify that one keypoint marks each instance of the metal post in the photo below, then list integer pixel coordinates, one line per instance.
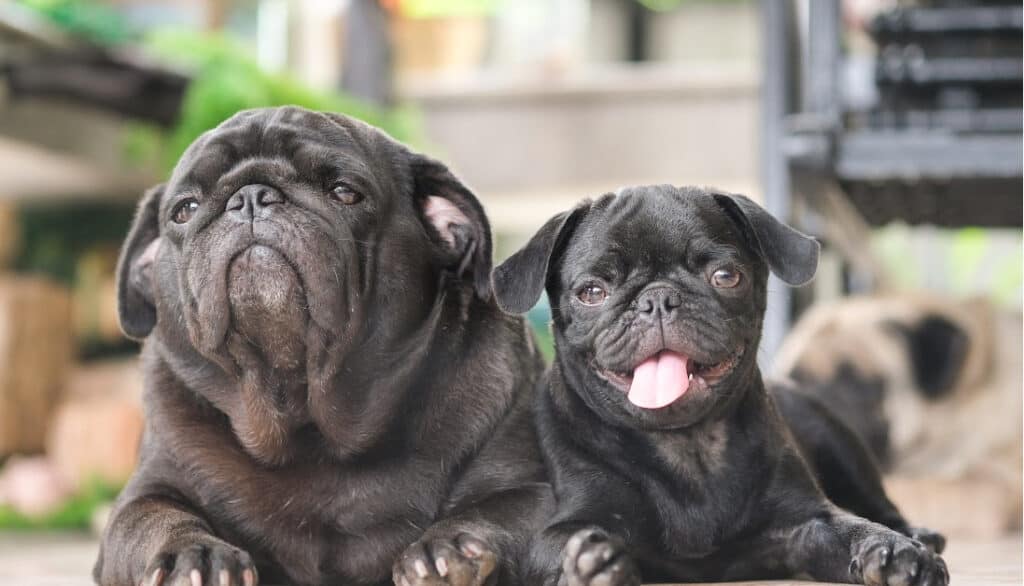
(776, 66)
(821, 87)
(367, 71)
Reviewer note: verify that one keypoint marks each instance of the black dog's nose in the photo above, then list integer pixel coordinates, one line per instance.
(251, 199)
(659, 301)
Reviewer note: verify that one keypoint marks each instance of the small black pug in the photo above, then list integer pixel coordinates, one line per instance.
(331, 394)
(668, 455)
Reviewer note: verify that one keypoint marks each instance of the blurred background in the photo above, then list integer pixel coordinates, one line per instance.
(891, 130)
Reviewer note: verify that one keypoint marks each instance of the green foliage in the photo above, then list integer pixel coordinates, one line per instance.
(961, 262)
(92, 21)
(666, 5)
(660, 5)
(226, 80)
(53, 236)
(76, 513)
(545, 340)
(447, 8)
(539, 319)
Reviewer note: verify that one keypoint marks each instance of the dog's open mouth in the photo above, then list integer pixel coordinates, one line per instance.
(665, 377)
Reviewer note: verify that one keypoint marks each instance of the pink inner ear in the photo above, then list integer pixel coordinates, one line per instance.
(443, 214)
(149, 253)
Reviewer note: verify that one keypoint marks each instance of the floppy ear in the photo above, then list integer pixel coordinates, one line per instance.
(519, 281)
(791, 255)
(135, 307)
(938, 349)
(456, 217)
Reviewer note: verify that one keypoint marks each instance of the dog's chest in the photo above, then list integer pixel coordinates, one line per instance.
(702, 496)
(327, 523)
(691, 455)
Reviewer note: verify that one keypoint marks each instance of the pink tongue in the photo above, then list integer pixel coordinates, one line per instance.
(660, 380)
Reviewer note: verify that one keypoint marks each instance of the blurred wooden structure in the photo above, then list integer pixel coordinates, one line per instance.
(96, 430)
(35, 356)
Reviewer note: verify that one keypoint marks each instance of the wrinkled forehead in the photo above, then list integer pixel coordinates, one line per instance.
(656, 225)
(288, 136)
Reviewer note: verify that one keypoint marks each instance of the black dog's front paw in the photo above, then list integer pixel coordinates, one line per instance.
(895, 560)
(934, 540)
(462, 561)
(592, 557)
(201, 563)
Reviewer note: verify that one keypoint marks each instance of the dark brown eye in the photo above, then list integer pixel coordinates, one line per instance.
(592, 294)
(184, 211)
(346, 194)
(725, 278)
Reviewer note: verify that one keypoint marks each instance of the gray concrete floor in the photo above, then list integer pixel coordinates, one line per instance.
(32, 559)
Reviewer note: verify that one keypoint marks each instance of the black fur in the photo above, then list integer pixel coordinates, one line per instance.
(713, 486)
(856, 400)
(937, 348)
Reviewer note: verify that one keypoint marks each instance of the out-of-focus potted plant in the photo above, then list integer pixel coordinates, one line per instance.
(439, 35)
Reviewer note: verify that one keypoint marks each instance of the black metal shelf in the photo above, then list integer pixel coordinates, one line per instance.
(926, 155)
(904, 22)
(946, 123)
(935, 136)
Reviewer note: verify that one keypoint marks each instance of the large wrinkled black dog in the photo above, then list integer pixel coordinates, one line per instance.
(669, 458)
(332, 395)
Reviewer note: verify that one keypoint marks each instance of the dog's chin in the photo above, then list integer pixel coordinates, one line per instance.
(672, 388)
(268, 305)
